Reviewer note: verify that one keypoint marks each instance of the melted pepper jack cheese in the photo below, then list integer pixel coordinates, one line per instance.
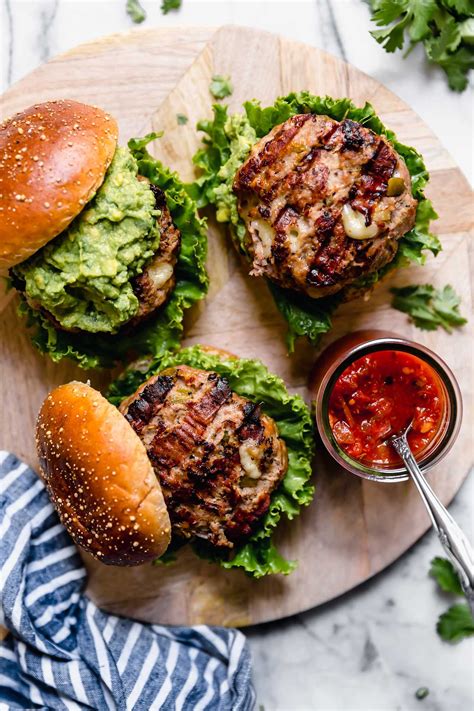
(249, 461)
(83, 276)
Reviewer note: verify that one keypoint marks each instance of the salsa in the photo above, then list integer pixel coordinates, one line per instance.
(377, 396)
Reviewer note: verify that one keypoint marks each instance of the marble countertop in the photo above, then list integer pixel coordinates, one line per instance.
(374, 647)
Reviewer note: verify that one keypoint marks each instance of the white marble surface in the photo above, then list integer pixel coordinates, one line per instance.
(372, 648)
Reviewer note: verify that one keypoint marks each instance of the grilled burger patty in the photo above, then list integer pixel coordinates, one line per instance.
(153, 286)
(313, 195)
(217, 457)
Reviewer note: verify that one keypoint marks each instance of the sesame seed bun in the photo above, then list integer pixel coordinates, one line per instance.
(99, 477)
(53, 158)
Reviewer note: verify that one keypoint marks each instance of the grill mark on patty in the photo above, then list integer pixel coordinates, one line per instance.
(352, 137)
(251, 427)
(280, 250)
(271, 151)
(383, 162)
(145, 406)
(193, 441)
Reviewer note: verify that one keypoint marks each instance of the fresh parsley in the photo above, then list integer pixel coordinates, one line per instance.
(445, 575)
(220, 86)
(168, 5)
(182, 119)
(428, 307)
(445, 27)
(135, 11)
(457, 622)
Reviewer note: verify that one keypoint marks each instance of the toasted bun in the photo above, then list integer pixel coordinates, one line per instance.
(99, 477)
(53, 157)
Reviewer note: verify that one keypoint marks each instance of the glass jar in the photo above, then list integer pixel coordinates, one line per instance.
(342, 353)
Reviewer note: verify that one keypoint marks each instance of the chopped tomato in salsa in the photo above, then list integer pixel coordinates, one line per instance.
(377, 396)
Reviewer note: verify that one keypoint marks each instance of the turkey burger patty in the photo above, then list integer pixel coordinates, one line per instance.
(217, 457)
(325, 202)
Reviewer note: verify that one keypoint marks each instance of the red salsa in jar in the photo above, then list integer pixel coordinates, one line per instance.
(377, 396)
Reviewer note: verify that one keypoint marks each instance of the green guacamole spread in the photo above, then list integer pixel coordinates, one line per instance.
(83, 276)
(241, 137)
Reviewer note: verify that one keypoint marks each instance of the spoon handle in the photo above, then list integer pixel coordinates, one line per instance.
(453, 540)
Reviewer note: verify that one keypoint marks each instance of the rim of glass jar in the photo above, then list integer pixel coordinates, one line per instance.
(453, 400)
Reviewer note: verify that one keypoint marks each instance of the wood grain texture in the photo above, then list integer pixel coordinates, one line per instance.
(354, 528)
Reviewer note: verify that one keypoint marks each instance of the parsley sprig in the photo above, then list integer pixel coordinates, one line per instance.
(137, 12)
(220, 86)
(457, 622)
(428, 307)
(445, 27)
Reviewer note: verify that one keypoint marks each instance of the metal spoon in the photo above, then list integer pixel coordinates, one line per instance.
(453, 540)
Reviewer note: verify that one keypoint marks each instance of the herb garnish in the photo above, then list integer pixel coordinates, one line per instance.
(135, 11)
(220, 86)
(168, 5)
(445, 27)
(182, 119)
(428, 307)
(457, 622)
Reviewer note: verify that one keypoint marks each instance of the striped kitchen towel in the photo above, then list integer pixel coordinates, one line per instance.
(62, 652)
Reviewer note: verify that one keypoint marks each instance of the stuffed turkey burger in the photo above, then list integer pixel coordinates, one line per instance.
(101, 240)
(204, 448)
(320, 197)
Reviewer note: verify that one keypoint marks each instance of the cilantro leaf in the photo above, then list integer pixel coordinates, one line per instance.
(182, 119)
(437, 48)
(428, 307)
(457, 67)
(445, 575)
(391, 38)
(456, 623)
(463, 7)
(168, 5)
(445, 27)
(422, 12)
(220, 86)
(135, 11)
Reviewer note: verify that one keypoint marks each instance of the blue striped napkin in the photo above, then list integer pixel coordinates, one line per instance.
(62, 652)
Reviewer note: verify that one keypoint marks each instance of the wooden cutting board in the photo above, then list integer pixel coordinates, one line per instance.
(354, 528)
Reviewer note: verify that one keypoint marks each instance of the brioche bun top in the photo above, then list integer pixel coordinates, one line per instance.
(99, 477)
(53, 158)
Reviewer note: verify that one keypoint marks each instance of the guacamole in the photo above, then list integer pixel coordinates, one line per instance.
(241, 137)
(83, 276)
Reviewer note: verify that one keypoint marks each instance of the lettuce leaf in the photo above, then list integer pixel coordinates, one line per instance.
(227, 143)
(250, 379)
(162, 332)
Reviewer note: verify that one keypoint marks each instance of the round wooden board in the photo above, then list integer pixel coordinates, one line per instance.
(354, 528)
